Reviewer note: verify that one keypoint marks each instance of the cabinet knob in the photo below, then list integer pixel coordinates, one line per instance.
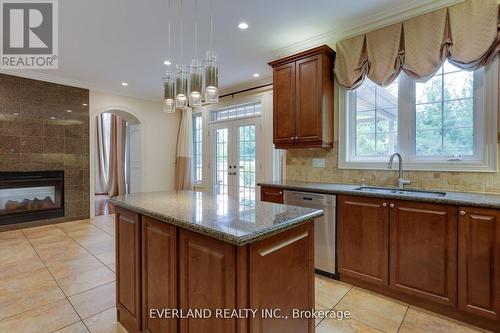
(384, 204)
(292, 138)
(296, 138)
(462, 212)
(391, 205)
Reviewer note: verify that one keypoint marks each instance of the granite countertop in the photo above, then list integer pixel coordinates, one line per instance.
(218, 216)
(452, 198)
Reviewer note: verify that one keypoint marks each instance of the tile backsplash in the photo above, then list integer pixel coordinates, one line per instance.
(299, 166)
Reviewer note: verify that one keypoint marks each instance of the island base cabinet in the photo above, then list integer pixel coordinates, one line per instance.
(128, 269)
(206, 281)
(281, 277)
(479, 262)
(159, 274)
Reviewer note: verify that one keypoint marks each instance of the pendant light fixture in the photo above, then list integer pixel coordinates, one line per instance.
(211, 66)
(196, 76)
(182, 76)
(169, 79)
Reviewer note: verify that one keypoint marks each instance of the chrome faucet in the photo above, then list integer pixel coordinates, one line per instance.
(401, 182)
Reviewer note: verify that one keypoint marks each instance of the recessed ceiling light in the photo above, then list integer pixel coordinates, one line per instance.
(167, 63)
(124, 84)
(53, 118)
(85, 104)
(69, 111)
(256, 75)
(243, 25)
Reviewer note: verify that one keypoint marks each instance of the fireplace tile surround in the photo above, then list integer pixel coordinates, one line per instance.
(38, 133)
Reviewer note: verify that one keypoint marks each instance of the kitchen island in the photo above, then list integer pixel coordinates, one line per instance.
(199, 262)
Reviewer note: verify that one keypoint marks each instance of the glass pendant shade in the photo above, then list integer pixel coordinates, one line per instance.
(169, 93)
(181, 84)
(211, 78)
(195, 84)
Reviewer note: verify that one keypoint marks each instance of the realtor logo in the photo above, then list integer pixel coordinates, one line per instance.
(29, 34)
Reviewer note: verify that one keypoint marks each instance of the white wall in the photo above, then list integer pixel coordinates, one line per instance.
(159, 139)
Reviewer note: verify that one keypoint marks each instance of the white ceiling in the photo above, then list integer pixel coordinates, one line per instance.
(105, 42)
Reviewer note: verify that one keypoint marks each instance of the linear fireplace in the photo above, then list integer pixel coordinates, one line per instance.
(31, 196)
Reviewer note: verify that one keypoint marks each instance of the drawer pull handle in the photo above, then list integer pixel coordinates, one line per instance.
(275, 248)
(126, 219)
(272, 193)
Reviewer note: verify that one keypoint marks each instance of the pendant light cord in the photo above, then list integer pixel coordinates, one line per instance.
(169, 16)
(196, 29)
(182, 32)
(212, 24)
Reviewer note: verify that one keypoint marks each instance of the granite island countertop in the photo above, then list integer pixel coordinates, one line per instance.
(218, 216)
(451, 198)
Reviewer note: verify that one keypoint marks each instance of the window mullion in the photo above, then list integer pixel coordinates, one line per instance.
(406, 117)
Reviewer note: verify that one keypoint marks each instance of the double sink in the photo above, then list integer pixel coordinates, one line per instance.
(409, 192)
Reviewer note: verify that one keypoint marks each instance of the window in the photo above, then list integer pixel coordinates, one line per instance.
(446, 123)
(236, 111)
(197, 148)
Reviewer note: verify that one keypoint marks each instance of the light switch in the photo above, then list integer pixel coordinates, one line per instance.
(318, 162)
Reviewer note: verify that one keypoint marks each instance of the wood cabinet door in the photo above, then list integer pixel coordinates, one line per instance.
(282, 277)
(206, 281)
(309, 88)
(284, 104)
(479, 262)
(363, 233)
(159, 274)
(271, 194)
(423, 250)
(128, 269)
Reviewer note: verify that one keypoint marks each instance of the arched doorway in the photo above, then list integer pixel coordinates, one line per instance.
(132, 169)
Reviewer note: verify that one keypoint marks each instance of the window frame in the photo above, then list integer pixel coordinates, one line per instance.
(485, 121)
(197, 183)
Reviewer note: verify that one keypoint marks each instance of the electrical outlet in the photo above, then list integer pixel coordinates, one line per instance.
(318, 162)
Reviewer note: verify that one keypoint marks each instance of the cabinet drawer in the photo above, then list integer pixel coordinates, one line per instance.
(271, 194)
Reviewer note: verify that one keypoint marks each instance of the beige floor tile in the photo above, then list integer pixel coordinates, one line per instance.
(27, 291)
(376, 311)
(9, 235)
(93, 301)
(99, 247)
(15, 250)
(64, 250)
(28, 264)
(318, 307)
(74, 225)
(36, 232)
(329, 292)
(50, 237)
(421, 321)
(344, 326)
(63, 268)
(44, 319)
(104, 322)
(108, 258)
(105, 222)
(78, 327)
(77, 283)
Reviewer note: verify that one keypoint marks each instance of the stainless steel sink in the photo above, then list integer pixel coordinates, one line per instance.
(387, 190)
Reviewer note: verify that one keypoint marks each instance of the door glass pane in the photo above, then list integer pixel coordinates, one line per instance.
(221, 161)
(246, 157)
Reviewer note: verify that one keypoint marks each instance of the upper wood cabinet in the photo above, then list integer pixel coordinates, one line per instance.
(479, 261)
(303, 93)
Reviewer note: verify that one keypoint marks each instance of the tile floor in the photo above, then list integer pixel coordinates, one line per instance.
(60, 278)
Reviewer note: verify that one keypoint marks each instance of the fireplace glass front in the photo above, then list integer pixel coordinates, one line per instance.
(31, 196)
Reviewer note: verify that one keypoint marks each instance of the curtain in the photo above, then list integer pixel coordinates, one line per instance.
(102, 158)
(183, 165)
(467, 34)
(116, 170)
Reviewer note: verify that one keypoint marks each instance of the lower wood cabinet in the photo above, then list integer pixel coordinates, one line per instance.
(206, 281)
(128, 269)
(479, 262)
(159, 273)
(271, 194)
(284, 288)
(363, 234)
(423, 250)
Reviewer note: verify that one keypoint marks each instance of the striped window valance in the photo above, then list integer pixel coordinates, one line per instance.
(467, 34)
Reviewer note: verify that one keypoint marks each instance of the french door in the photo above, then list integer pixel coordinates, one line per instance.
(236, 160)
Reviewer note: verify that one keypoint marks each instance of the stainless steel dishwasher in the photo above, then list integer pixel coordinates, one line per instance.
(324, 228)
